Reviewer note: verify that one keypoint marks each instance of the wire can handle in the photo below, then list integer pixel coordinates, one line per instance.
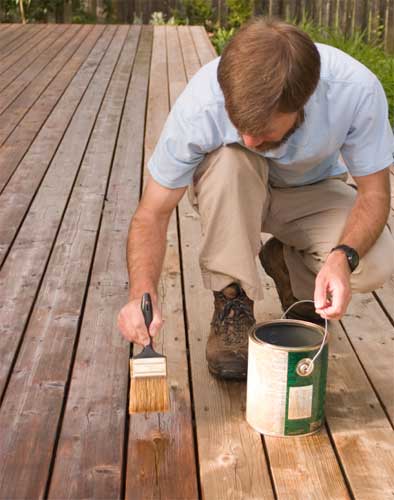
(306, 365)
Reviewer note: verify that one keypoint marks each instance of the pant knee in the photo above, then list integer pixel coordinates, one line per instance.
(231, 164)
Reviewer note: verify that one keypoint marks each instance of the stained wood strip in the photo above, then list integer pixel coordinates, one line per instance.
(206, 51)
(372, 336)
(33, 243)
(38, 156)
(19, 64)
(16, 31)
(22, 46)
(93, 391)
(39, 387)
(231, 456)
(363, 436)
(162, 444)
(54, 44)
(3, 27)
(386, 293)
(15, 112)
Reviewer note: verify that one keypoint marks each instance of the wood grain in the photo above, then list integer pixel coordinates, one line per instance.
(372, 336)
(20, 48)
(20, 106)
(44, 360)
(16, 36)
(21, 63)
(49, 123)
(163, 444)
(33, 243)
(50, 47)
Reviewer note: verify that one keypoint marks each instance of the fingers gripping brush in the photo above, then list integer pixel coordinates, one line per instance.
(148, 373)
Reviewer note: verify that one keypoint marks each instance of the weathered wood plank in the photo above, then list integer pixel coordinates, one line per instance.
(163, 444)
(363, 436)
(33, 244)
(386, 293)
(94, 392)
(372, 337)
(19, 64)
(41, 378)
(231, 456)
(17, 195)
(21, 105)
(206, 51)
(22, 46)
(54, 44)
(15, 33)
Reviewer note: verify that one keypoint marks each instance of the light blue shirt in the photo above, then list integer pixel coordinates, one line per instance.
(347, 114)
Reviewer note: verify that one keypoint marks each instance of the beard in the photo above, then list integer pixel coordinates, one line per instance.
(266, 146)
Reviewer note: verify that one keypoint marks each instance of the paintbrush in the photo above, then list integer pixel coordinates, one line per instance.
(148, 373)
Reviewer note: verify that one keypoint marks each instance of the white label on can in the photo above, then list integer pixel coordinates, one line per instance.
(300, 402)
(267, 389)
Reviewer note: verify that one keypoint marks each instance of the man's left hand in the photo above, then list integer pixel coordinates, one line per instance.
(332, 287)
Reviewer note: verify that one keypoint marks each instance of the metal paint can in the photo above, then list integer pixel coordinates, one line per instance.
(286, 381)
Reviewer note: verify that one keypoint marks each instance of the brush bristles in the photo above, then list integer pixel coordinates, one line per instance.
(148, 394)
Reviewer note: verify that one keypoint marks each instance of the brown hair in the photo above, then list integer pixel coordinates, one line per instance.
(268, 67)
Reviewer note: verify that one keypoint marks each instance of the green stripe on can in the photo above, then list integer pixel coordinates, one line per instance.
(305, 396)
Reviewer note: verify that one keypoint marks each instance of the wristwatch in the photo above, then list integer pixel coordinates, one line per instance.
(351, 254)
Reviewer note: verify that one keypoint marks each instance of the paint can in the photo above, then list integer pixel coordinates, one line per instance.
(286, 381)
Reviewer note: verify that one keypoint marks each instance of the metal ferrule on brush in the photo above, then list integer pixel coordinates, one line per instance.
(148, 364)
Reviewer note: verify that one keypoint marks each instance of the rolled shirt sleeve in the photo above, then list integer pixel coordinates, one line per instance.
(188, 135)
(369, 145)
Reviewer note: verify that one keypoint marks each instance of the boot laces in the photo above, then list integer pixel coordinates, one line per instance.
(234, 326)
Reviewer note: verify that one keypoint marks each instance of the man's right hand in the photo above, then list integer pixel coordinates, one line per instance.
(132, 325)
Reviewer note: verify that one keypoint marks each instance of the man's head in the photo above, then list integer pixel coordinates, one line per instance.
(267, 73)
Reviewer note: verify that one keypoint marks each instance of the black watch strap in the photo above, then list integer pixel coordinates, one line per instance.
(351, 255)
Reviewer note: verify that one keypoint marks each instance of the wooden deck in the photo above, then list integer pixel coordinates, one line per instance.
(81, 108)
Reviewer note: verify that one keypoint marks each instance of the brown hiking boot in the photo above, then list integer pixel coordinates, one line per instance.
(227, 346)
(273, 262)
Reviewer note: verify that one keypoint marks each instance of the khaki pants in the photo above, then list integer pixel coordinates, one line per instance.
(236, 203)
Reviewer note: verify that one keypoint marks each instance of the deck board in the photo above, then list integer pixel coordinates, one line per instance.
(163, 444)
(15, 112)
(12, 53)
(25, 59)
(16, 35)
(81, 109)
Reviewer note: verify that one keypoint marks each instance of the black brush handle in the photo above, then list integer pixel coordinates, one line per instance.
(147, 311)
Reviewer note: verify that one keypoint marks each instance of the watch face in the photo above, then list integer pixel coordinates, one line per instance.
(354, 260)
(351, 255)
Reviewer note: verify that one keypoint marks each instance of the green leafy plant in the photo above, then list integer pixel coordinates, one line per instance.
(157, 18)
(193, 12)
(239, 11)
(220, 37)
(371, 55)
